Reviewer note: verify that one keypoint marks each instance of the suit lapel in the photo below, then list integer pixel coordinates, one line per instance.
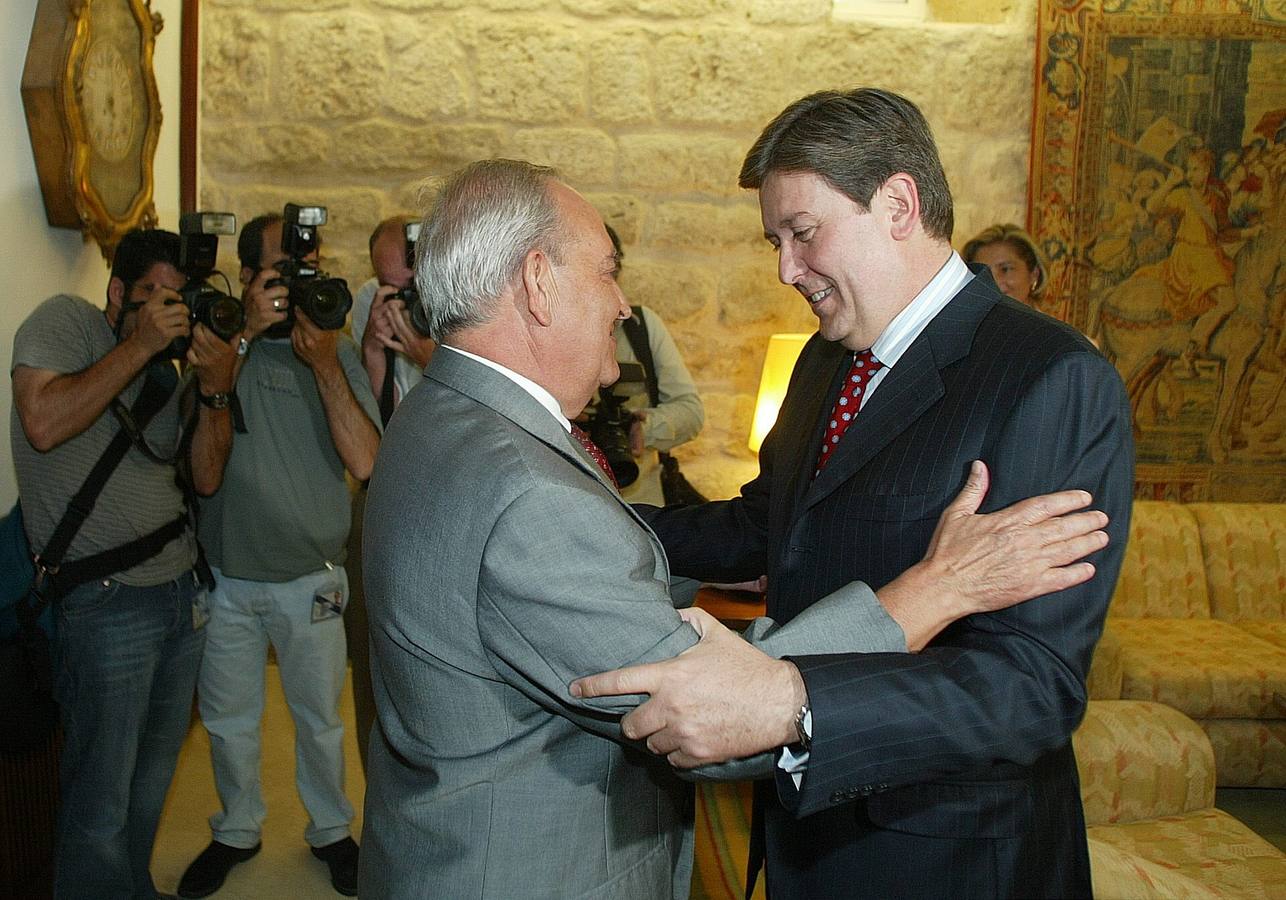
(809, 426)
(909, 389)
(493, 390)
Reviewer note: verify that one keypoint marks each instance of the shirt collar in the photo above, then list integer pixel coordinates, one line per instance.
(907, 325)
(538, 393)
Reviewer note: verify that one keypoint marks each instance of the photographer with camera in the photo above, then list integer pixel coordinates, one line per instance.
(653, 408)
(394, 352)
(130, 609)
(275, 533)
(382, 314)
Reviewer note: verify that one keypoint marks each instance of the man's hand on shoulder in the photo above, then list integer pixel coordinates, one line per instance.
(720, 699)
(980, 563)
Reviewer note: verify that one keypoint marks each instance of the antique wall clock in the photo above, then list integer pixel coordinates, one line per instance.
(93, 114)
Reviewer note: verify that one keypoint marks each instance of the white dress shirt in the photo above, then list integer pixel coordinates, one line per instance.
(541, 396)
(888, 348)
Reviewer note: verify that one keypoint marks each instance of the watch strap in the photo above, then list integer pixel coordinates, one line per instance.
(217, 400)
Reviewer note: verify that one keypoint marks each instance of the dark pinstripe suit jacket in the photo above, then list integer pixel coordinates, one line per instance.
(949, 772)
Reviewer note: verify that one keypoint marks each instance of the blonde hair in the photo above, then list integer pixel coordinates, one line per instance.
(1022, 243)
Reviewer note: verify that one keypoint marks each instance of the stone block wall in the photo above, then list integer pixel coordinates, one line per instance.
(647, 107)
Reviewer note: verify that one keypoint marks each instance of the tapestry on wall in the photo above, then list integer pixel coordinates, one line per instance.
(1158, 191)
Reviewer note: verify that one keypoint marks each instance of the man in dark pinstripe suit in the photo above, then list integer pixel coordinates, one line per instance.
(948, 771)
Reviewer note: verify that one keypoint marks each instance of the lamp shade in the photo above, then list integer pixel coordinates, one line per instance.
(779, 362)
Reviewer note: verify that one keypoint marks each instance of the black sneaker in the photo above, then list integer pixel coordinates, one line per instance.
(207, 872)
(341, 856)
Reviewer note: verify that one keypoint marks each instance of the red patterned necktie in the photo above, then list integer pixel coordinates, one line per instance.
(593, 450)
(864, 367)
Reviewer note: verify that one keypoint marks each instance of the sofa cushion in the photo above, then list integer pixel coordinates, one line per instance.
(1208, 846)
(1204, 667)
(1163, 575)
(1244, 545)
(1140, 760)
(1248, 752)
(1273, 632)
(1121, 875)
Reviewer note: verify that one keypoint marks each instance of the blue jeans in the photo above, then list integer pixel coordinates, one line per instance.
(127, 661)
(244, 617)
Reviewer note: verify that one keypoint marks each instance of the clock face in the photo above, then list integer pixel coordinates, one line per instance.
(107, 99)
(111, 105)
(94, 113)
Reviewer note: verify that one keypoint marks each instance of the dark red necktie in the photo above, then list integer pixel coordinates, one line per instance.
(593, 450)
(864, 367)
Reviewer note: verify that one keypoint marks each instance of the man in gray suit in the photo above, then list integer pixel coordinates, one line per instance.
(501, 564)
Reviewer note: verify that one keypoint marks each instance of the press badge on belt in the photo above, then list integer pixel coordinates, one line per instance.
(200, 610)
(327, 605)
(328, 602)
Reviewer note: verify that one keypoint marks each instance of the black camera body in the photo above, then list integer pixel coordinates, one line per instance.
(217, 310)
(410, 295)
(609, 425)
(325, 300)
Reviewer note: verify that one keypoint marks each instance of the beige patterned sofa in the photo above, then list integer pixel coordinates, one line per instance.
(1148, 785)
(1198, 622)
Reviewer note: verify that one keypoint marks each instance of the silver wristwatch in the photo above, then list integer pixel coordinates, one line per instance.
(801, 732)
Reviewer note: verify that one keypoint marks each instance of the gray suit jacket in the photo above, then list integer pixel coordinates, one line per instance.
(499, 567)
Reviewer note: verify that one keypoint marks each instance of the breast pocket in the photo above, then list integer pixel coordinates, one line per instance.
(899, 507)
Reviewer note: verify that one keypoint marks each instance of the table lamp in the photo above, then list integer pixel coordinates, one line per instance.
(779, 362)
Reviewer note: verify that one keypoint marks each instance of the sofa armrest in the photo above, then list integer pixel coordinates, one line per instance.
(1141, 760)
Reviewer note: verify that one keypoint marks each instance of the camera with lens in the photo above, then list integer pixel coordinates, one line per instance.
(325, 300)
(609, 424)
(410, 295)
(217, 310)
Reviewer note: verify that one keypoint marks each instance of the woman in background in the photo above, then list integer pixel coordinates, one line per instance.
(1014, 259)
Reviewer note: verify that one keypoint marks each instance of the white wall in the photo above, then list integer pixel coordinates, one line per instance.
(36, 260)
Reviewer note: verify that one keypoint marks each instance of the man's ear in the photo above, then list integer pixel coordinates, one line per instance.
(902, 197)
(115, 298)
(247, 275)
(539, 287)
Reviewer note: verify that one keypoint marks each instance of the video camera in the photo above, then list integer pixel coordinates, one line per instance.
(609, 423)
(323, 299)
(217, 310)
(410, 295)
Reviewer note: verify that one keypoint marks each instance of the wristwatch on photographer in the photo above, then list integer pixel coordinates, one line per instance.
(217, 400)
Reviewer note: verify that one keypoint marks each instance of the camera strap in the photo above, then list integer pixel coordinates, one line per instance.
(386, 388)
(636, 333)
(133, 421)
(151, 398)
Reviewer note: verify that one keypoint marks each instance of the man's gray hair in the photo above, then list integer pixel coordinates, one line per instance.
(482, 224)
